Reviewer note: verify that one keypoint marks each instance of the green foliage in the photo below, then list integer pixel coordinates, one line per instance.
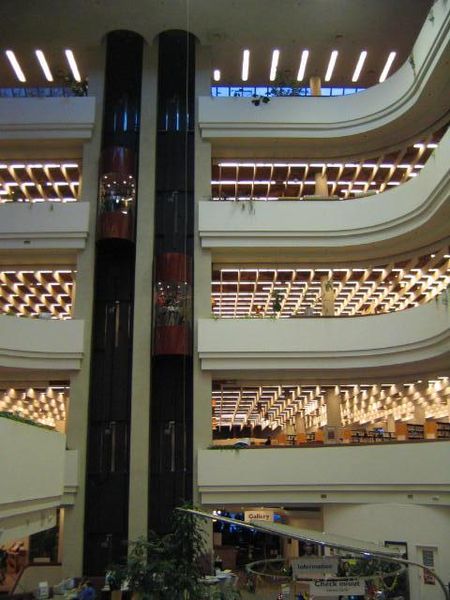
(14, 417)
(167, 567)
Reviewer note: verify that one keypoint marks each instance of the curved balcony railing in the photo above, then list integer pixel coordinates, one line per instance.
(385, 225)
(401, 343)
(50, 345)
(412, 101)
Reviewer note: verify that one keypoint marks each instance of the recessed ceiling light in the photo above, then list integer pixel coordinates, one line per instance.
(274, 65)
(216, 75)
(359, 65)
(73, 65)
(302, 68)
(387, 66)
(44, 65)
(245, 64)
(331, 64)
(15, 65)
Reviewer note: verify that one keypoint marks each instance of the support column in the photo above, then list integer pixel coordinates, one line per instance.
(333, 400)
(140, 397)
(321, 188)
(390, 424)
(419, 414)
(77, 417)
(300, 425)
(315, 85)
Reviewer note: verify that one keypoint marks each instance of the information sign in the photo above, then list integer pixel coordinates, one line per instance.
(301, 567)
(337, 587)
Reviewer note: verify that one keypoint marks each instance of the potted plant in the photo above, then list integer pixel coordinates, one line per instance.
(115, 579)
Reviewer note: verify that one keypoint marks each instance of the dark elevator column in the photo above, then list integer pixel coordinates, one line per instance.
(171, 370)
(107, 478)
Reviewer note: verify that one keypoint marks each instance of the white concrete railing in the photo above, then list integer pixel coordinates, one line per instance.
(33, 467)
(413, 99)
(44, 225)
(47, 118)
(400, 343)
(325, 474)
(53, 345)
(376, 225)
(36, 470)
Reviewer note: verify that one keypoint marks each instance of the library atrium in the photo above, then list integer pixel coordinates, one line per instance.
(224, 280)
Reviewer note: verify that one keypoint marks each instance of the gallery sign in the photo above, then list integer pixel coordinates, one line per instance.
(338, 587)
(258, 515)
(314, 564)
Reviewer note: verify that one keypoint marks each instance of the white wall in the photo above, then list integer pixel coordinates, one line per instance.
(353, 474)
(392, 343)
(44, 225)
(376, 226)
(32, 466)
(416, 525)
(40, 343)
(46, 118)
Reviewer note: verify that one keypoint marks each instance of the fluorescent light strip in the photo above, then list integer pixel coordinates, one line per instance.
(245, 64)
(302, 68)
(73, 65)
(387, 66)
(216, 75)
(15, 65)
(44, 65)
(359, 65)
(274, 65)
(331, 65)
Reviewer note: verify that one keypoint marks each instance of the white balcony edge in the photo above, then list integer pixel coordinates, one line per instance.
(44, 226)
(47, 118)
(400, 97)
(419, 208)
(393, 343)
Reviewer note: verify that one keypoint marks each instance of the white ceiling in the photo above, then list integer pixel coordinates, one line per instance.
(349, 26)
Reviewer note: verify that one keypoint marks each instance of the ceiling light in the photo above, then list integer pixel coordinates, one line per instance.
(331, 64)
(274, 65)
(302, 68)
(73, 65)
(44, 65)
(15, 65)
(387, 66)
(245, 64)
(216, 75)
(359, 65)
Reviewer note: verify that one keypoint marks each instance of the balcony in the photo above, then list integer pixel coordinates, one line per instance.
(36, 472)
(412, 100)
(370, 226)
(53, 346)
(406, 342)
(389, 473)
(44, 226)
(47, 118)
